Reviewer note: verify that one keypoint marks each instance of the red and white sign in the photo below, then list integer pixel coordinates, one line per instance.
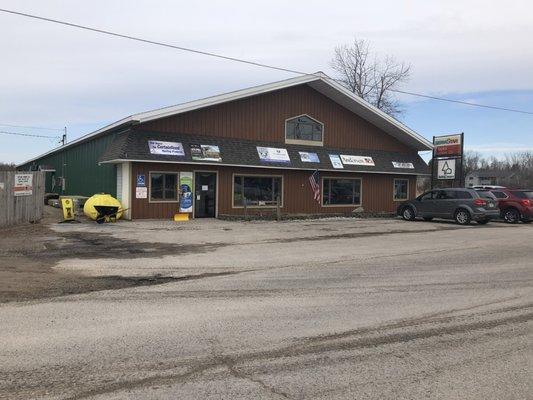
(447, 146)
(23, 185)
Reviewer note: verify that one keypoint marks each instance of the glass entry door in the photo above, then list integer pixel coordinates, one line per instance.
(205, 194)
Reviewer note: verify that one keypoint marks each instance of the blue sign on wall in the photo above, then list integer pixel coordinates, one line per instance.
(141, 181)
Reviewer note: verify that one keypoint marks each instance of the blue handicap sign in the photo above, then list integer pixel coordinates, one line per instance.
(141, 181)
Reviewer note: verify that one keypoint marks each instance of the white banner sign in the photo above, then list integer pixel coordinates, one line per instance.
(357, 160)
(405, 165)
(335, 161)
(446, 169)
(272, 154)
(23, 185)
(166, 148)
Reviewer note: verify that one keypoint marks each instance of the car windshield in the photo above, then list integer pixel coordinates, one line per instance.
(524, 194)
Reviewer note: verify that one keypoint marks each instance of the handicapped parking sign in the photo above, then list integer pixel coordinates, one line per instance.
(141, 181)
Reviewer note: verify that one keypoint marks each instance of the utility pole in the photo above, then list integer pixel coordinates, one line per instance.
(64, 138)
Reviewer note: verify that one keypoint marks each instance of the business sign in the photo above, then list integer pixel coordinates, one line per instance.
(445, 146)
(357, 160)
(205, 152)
(23, 185)
(335, 161)
(141, 192)
(446, 169)
(309, 157)
(166, 148)
(272, 154)
(404, 165)
(185, 192)
(141, 180)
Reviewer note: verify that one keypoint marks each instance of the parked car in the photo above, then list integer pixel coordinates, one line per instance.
(462, 205)
(515, 204)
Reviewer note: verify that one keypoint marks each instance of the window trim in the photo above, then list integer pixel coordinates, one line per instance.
(341, 205)
(177, 173)
(233, 206)
(300, 141)
(394, 187)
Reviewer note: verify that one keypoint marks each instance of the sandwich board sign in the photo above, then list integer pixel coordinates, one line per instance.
(446, 169)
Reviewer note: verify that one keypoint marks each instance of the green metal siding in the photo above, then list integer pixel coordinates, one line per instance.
(79, 165)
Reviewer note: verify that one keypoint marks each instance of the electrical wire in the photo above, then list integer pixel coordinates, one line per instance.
(239, 60)
(29, 135)
(32, 127)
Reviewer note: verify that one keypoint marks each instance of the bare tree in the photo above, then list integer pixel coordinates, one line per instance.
(369, 77)
(7, 166)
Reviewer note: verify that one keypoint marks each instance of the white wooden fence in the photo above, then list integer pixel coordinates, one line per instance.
(21, 200)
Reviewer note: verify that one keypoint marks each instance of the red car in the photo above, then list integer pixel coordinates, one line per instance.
(515, 204)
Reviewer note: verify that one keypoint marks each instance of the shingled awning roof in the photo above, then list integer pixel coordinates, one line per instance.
(133, 146)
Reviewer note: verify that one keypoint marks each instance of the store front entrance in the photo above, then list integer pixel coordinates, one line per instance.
(205, 192)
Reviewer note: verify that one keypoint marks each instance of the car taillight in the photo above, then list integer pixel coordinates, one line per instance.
(525, 203)
(480, 202)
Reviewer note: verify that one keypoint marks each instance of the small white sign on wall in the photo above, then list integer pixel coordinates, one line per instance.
(23, 185)
(2, 185)
(141, 192)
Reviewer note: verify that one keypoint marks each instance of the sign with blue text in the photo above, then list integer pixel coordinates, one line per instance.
(166, 148)
(141, 180)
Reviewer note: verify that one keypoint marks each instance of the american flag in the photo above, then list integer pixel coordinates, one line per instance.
(313, 180)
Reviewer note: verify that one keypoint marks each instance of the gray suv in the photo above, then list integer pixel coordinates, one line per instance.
(462, 205)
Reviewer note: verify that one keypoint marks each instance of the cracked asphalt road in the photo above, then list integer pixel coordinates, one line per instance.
(337, 309)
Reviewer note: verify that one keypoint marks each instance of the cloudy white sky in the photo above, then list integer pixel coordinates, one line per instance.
(56, 76)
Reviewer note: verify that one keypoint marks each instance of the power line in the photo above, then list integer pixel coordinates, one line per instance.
(28, 134)
(239, 60)
(32, 127)
(461, 102)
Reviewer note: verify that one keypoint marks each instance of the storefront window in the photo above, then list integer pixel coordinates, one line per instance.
(341, 191)
(256, 191)
(304, 128)
(163, 187)
(401, 189)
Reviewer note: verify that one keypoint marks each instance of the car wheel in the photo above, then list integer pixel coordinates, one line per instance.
(511, 216)
(462, 217)
(408, 214)
(483, 221)
(428, 219)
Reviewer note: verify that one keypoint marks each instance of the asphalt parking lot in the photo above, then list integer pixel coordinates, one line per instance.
(321, 309)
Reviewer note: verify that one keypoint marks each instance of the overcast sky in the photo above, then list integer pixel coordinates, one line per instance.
(56, 76)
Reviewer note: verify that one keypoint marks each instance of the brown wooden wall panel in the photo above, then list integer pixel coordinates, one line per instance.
(377, 191)
(262, 117)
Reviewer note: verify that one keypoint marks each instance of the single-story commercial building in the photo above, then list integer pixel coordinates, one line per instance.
(306, 145)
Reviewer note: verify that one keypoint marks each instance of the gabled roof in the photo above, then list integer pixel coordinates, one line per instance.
(319, 81)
